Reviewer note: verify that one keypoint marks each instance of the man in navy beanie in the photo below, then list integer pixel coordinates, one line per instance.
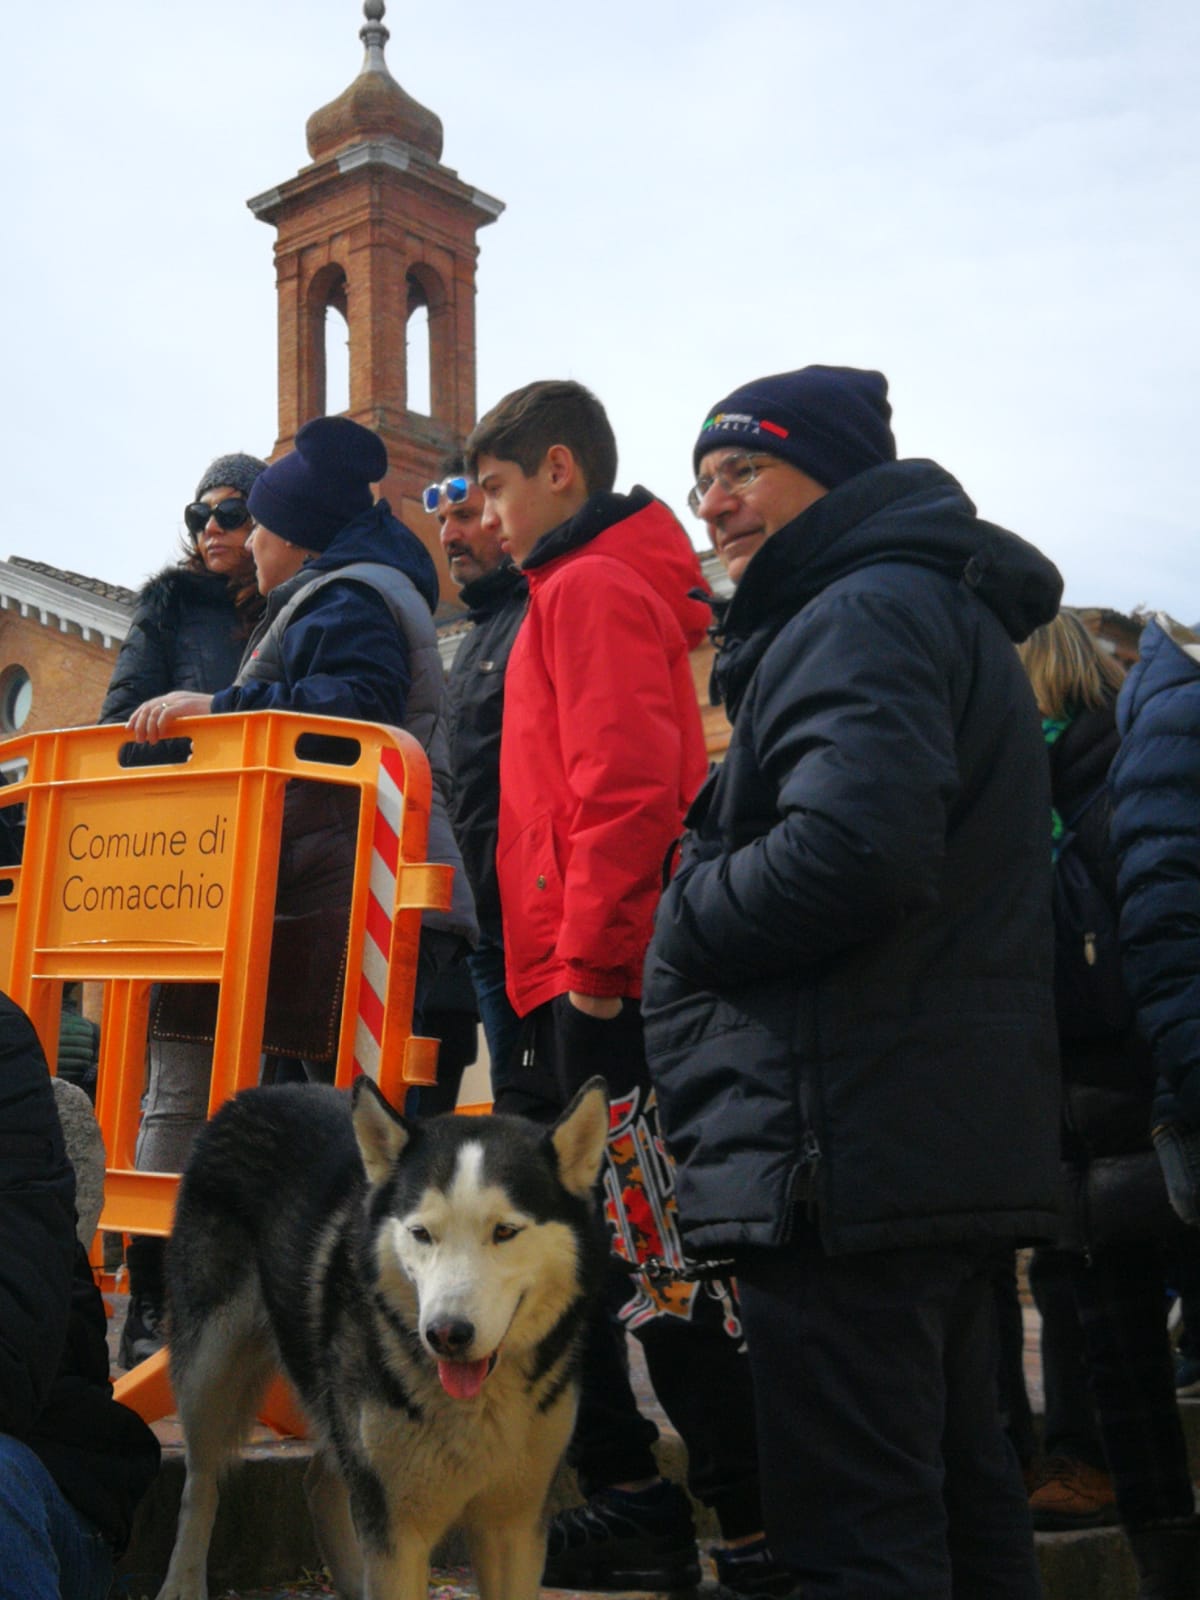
(848, 1002)
(347, 632)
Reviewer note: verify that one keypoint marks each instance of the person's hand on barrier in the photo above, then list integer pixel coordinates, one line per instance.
(150, 721)
(1179, 1156)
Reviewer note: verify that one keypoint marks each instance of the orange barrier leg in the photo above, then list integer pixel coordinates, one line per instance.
(147, 1389)
(281, 1411)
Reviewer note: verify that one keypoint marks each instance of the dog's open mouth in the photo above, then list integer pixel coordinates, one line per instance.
(463, 1380)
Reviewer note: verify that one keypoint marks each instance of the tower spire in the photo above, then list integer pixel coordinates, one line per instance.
(374, 36)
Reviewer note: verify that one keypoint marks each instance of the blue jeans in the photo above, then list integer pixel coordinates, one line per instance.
(501, 1024)
(48, 1551)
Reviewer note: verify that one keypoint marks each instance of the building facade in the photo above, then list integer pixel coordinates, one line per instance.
(59, 637)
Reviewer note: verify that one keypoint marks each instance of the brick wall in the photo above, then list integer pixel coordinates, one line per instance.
(69, 675)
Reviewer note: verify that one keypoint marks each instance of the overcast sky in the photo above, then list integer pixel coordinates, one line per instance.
(995, 204)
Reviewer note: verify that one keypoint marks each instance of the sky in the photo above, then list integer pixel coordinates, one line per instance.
(997, 205)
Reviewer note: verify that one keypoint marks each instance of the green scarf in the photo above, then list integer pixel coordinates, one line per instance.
(1053, 729)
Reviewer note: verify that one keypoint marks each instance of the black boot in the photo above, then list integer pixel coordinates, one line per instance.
(1167, 1556)
(643, 1539)
(143, 1332)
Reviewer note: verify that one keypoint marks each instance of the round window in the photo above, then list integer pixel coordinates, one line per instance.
(16, 698)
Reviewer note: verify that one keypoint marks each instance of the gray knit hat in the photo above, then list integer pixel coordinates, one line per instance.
(231, 472)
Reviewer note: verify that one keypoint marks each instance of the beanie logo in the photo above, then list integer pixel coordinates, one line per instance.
(742, 422)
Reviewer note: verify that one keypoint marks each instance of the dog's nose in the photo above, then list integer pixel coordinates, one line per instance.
(451, 1336)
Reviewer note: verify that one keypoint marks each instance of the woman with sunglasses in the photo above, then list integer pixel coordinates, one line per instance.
(347, 632)
(188, 631)
(192, 619)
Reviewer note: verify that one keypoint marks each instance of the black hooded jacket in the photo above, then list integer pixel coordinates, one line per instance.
(54, 1389)
(185, 634)
(475, 696)
(848, 998)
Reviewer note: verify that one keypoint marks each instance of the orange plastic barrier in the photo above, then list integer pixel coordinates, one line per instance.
(138, 875)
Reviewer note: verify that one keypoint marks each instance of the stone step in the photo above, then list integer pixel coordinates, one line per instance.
(263, 1535)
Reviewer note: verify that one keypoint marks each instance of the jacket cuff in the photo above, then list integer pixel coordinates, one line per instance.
(602, 983)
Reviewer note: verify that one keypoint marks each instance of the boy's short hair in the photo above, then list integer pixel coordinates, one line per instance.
(523, 426)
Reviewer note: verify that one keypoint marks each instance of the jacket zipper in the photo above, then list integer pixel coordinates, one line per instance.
(810, 1161)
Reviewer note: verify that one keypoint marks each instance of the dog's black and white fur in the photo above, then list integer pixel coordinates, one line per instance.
(424, 1286)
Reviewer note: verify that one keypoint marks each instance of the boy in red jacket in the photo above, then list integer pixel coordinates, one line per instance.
(601, 752)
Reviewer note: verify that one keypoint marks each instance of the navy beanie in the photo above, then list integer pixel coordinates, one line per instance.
(831, 422)
(309, 495)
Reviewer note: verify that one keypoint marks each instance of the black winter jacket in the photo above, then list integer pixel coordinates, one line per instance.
(1113, 1178)
(54, 1388)
(1079, 763)
(848, 998)
(1155, 785)
(186, 633)
(475, 692)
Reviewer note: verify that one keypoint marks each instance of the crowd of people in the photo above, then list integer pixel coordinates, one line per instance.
(905, 983)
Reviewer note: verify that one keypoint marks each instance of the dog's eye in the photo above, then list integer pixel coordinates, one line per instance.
(503, 1232)
(421, 1235)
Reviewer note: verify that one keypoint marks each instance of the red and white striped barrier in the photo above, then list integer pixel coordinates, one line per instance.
(381, 900)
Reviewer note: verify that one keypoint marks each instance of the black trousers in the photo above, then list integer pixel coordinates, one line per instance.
(885, 1469)
(1121, 1295)
(690, 1332)
(1071, 1428)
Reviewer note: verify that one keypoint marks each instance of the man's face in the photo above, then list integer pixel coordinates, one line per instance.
(518, 510)
(275, 559)
(471, 551)
(740, 520)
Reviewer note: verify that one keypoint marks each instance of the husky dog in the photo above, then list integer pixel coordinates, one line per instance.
(424, 1285)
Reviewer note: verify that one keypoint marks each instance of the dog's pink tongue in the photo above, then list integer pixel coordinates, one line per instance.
(463, 1379)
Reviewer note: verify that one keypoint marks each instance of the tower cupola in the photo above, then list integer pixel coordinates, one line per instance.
(374, 106)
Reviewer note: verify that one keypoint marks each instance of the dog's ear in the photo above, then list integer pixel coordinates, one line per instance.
(579, 1137)
(381, 1132)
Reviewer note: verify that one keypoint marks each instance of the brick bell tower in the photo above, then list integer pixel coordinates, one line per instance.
(378, 230)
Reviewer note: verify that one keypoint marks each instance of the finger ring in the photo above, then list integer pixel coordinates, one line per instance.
(162, 705)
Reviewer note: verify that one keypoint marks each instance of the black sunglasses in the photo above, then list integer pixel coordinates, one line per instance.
(227, 514)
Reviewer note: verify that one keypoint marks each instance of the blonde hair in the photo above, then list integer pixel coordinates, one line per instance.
(1068, 668)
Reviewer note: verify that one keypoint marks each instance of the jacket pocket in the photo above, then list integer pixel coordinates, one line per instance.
(531, 892)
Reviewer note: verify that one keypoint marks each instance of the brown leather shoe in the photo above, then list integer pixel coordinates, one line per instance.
(1071, 1494)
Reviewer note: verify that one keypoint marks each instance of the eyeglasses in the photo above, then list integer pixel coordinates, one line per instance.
(454, 490)
(227, 514)
(735, 475)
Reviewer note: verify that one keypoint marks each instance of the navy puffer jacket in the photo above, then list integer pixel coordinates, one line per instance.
(1155, 787)
(848, 999)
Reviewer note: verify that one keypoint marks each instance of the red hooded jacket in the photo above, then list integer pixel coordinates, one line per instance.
(602, 747)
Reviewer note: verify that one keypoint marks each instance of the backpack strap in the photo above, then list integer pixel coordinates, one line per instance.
(1072, 820)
